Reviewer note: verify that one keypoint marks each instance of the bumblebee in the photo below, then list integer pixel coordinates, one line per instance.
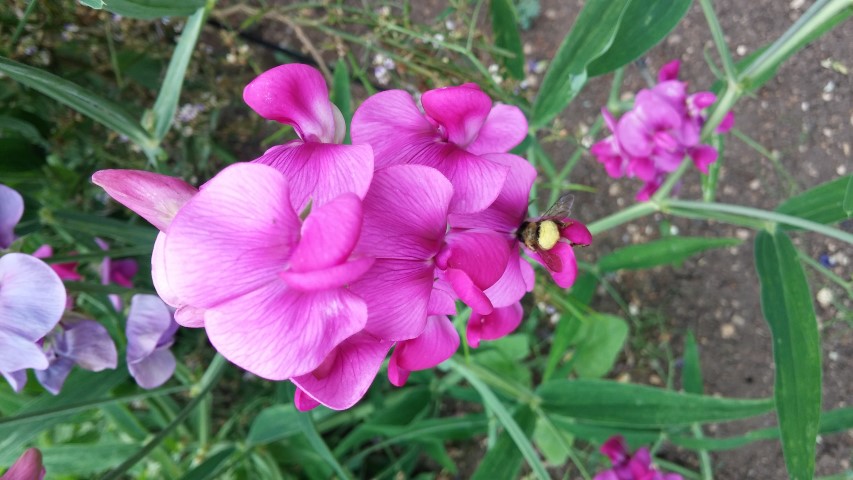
(542, 234)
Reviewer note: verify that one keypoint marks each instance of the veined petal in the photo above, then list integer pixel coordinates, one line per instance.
(347, 379)
(477, 181)
(297, 95)
(514, 282)
(277, 333)
(332, 277)
(405, 213)
(158, 273)
(53, 377)
(18, 353)
(397, 294)
(505, 128)
(468, 291)
(482, 254)
(189, 316)
(329, 235)
(11, 210)
(565, 278)
(153, 370)
(392, 125)
(32, 297)
(436, 344)
(27, 467)
(233, 237)
(89, 345)
(320, 172)
(442, 300)
(147, 320)
(154, 197)
(397, 375)
(460, 110)
(498, 324)
(17, 380)
(303, 401)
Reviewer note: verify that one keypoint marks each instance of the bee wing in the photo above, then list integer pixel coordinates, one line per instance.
(562, 208)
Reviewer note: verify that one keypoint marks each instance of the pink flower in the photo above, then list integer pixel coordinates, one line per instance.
(27, 467)
(457, 128)
(630, 467)
(435, 344)
(273, 288)
(120, 272)
(494, 326)
(66, 271)
(662, 128)
(560, 260)
(11, 210)
(317, 166)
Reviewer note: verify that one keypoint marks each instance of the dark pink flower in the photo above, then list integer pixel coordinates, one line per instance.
(66, 270)
(494, 326)
(27, 467)
(453, 134)
(626, 466)
(435, 344)
(317, 166)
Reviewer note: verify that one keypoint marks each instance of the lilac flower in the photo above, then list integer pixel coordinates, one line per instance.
(150, 334)
(27, 467)
(630, 467)
(457, 128)
(317, 166)
(11, 210)
(75, 341)
(32, 299)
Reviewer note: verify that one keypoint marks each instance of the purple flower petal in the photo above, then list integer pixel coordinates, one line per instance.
(461, 111)
(16, 379)
(498, 324)
(565, 278)
(27, 467)
(11, 211)
(18, 353)
(517, 279)
(147, 321)
(437, 343)
(154, 197)
(669, 71)
(32, 297)
(477, 181)
(153, 370)
(89, 345)
(53, 377)
(505, 128)
(329, 235)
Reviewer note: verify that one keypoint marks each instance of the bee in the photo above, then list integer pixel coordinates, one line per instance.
(542, 234)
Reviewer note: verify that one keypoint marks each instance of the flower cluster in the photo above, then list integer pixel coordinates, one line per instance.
(311, 262)
(662, 128)
(626, 466)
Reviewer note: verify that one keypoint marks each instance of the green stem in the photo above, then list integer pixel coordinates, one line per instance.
(704, 458)
(719, 40)
(208, 381)
(623, 216)
(846, 285)
(23, 23)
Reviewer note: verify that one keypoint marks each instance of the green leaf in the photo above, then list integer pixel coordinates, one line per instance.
(630, 405)
(170, 91)
(107, 227)
(565, 333)
(504, 460)
(24, 129)
(670, 250)
(647, 23)
(147, 8)
(787, 306)
(691, 375)
(822, 204)
(341, 96)
(847, 203)
(554, 443)
(306, 425)
(85, 459)
(598, 344)
(591, 36)
(211, 466)
(84, 101)
(505, 28)
(273, 424)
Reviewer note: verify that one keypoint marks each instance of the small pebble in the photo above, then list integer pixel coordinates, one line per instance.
(825, 297)
(727, 330)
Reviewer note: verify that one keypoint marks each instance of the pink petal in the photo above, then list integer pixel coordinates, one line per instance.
(514, 283)
(442, 300)
(158, 273)
(156, 198)
(65, 271)
(498, 324)
(233, 237)
(504, 129)
(703, 156)
(437, 343)
(329, 235)
(32, 298)
(482, 254)
(669, 71)
(277, 333)
(397, 375)
(295, 94)
(405, 213)
(615, 449)
(392, 125)
(566, 277)
(468, 292)
(477, 181)
(460, 111)
(702, 100)
(727, 124)
(576, 232)
(190, 317)
(347, 379)
(303, 401)
(332, 277)
(27, 467)
(397, 294)
(11, 211)
(320, 172)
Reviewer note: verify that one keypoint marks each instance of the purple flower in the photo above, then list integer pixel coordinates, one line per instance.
(150, 334)
(317, 166)
(456, 130)
(494, 326)
(32, 299)
(11, 210)
(76, 340)
(630, 467)
(437, 343)
(27, 467)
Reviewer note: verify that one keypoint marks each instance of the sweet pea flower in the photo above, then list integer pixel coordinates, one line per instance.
(150, 335)
(456, 130)
(27, 467)
(32, 299)
(494, 326)
(273, 287)
(120, 272)
(66, 270)
(11, 211)
(626, 466)
(317, 166)
(435, 344)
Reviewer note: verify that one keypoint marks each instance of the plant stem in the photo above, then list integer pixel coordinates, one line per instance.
(20, 28)
(719, 40)
(623, 216)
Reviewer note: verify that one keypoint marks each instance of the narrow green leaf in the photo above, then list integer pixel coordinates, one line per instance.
(554, 443)
(598, 345)
(272, 424)
(85, 459)
(505, 28)
(504, 460)
(211, 466)
(170, 91)
(24, 129)
(147, 8)
(847, 203)
(787, 306)
(650, 22)
(436, 450)
(105, 227)
(691, 375)
(568, 328)
(630, 405)
(670, 250)
(84, 101)
(306, 425)
(341, 96)
(822, 204)
(591, 36)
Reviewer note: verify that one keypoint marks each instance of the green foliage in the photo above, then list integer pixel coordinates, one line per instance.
(505, 26)
(147, 8)
(822, 204)
(667, 251)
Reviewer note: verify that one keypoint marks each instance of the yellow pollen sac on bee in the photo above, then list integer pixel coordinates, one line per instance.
(549, 234)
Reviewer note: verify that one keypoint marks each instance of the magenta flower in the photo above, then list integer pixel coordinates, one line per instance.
(494, 326)
(457, 128)
(27, 467)
(11, 211)
(150, 335)
(32, 299)
(66, 270)
(437, 343)
(273, 288)
(662, 128)
(560, 260)
(317, 166)
(120, 272)
(630, 467)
